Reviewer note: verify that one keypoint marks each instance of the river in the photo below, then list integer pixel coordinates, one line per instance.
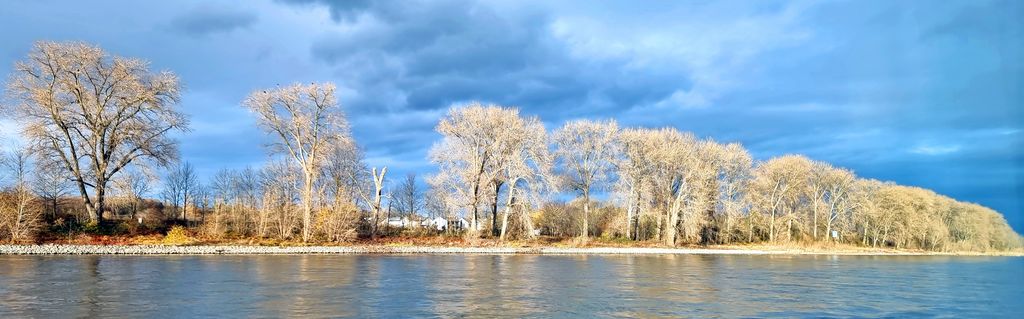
(488, 286)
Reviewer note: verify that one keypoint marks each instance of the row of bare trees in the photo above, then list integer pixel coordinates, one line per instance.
(671, 186)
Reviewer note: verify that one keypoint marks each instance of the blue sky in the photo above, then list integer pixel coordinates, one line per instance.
(924, 93)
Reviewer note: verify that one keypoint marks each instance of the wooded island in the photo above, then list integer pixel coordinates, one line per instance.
(99, 165)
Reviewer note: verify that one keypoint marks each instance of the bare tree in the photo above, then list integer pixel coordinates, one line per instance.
(344, 175)
(526, 169)
(828, 189)
(180, 187)
(52, 185)
(408, 196)
(734, 174)
(135, 185)
(378, 193)
(470, 156)
(225, 199)
(249, 188)
(202, 200)
(20, 216)
(342, 187)
(634, 169)
(679, 167)
(95, 113)
(776, 190)
(308, 123)
(282, 186)
(587, 150)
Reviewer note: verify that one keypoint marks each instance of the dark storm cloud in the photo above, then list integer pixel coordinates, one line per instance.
(341, 10)
(456, 51)
(209, 19)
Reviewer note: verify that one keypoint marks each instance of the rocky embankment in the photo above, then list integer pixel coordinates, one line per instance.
(52, 249)
(57, 249)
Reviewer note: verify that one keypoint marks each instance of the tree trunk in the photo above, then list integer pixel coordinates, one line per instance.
(814, 223)
(658, 224)
(586, 215)
(670, 229)
(636, 221)
(307, 206)
(789, 230)
(90, 206)
(96, 213)
(828, 231)
(184, 207)
(629, 214)
(494, 209)
(53, 210)
(508, 210)
(727, 230)
(135, 208)
(387, 221)
(864, 241)
(476, 202)
(750, 222)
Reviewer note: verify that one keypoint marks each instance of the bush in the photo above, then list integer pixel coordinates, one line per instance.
(337, 224)
(178, 236)
(20, 216)
(559, 220)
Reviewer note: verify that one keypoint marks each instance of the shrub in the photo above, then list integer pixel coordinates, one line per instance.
(20, 216)
(560, 220)
(338, 223)
(178, 236)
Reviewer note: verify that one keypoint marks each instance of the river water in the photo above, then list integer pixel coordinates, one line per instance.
(488, 286)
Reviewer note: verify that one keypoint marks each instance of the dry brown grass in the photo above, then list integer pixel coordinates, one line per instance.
(416, 240)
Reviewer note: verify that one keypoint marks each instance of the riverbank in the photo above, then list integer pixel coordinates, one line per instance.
(59, 249)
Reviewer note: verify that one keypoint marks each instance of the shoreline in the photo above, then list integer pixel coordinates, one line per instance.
(62, 249)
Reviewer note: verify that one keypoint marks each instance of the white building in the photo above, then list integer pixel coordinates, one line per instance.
(402, 222)
(441, 224)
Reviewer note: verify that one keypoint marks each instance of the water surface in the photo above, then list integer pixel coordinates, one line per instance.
(510, 286)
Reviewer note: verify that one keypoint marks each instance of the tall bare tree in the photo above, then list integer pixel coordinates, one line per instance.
(777, 188)
(469, 156)
(587, 150)
(180, 188)
(378, 195)
(634, 169)
(526, 169)
(95, 113)
(734, 176)
(409, 196)
(344, 176)
(307, 122)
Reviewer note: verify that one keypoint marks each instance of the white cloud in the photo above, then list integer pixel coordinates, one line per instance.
(691, 40)
(10, 134)
(934, 150)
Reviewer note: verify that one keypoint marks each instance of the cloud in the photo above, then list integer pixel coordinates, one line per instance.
(932, 150)
(10, 134)
(429, 55)
(346, 10)
(211, 19)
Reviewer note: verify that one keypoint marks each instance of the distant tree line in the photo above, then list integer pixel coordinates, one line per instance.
(100, 157)
(670, 186)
